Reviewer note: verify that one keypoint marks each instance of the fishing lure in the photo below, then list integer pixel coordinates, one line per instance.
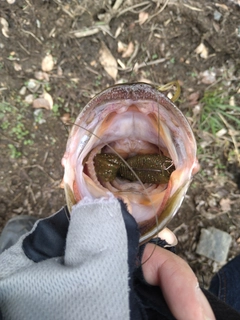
(122, 121)
(150, 168)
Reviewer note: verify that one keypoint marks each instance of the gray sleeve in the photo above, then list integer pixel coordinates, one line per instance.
(89, 282)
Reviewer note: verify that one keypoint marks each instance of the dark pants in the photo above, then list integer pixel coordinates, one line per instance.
(226, 284)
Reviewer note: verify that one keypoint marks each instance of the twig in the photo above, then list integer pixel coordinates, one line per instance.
(85, 33)
(133, 7)
(33, 35)
(24, 48)
(117, 4)
(134, 53)
(150, 63)
(192, 8)
(142, 65)
(91, 31)
(157, 13)
(230, 131)
(42, 169)
(91, 70)
(30, 191)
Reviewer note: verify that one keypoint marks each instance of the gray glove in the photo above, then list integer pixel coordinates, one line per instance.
(89, 280)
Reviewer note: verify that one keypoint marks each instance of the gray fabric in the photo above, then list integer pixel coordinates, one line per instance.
(89, 282)
(15, 228)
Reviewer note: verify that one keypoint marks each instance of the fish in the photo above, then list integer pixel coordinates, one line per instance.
(131, 120)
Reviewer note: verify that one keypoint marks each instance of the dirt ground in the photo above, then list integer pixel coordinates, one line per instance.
(194, 42)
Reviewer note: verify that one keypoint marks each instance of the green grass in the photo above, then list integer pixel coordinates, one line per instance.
(216, 105)
(12, 124)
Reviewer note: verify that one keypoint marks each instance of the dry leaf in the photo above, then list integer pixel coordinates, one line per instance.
(49, 98)
(202, 50)
(41, 103)
(221, 132)
(122, 47)
(108, 61)
(119, 30)
(65, 118)
(223, 6)
(129, 51)
(142, 17)
(29, 98)
(22, 91)
(17, 66)
(59, 71)
(40, 75)
(193, 98)
(93, 63)
(232, 102)
(47, 63)
(142, 79)
(4, 24)
(225, 205)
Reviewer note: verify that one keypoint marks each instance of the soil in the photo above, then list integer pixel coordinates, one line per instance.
(33, 140)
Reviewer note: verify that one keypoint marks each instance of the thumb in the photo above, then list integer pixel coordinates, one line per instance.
(177, 282)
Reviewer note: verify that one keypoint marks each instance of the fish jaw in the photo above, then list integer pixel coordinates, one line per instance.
(136, 117)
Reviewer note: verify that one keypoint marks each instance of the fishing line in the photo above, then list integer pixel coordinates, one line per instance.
(173, 99)
(144, 189)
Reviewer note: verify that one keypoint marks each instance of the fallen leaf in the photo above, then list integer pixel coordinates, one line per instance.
(22, 91)
(142, 17)
(232, 102)
(4, 24)
(17, 66)
(202, 50)
(223, 6)
(108, 61)
(40, 75)
(65, 118)
(59, 71)
(122, 47)
(119, 30)
(29, 98)
(47, 63)
(41, 103)
(221, 132)
(129, 51)
(93, 63)
(225, 204)
(193, 98)
(49, 98)
(142, 79)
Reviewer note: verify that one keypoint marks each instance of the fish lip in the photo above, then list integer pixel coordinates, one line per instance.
(136, 92)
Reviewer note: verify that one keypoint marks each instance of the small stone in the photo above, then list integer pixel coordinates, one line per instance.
(29, 98)
(22, 91)
(33, 85)
(217, 15)
(214, 244)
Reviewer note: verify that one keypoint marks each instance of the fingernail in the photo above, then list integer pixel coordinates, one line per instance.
(207, 310)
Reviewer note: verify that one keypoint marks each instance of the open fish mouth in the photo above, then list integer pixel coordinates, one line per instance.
(130, 123)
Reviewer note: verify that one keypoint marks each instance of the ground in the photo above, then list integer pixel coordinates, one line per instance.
(196, 43)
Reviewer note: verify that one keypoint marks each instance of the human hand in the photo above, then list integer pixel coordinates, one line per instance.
(178, 283)
(84, 269)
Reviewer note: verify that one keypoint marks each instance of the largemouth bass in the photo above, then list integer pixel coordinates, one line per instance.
(127, 121)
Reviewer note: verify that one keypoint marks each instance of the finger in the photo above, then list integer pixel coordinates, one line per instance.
(168, 236)
(177, 282)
